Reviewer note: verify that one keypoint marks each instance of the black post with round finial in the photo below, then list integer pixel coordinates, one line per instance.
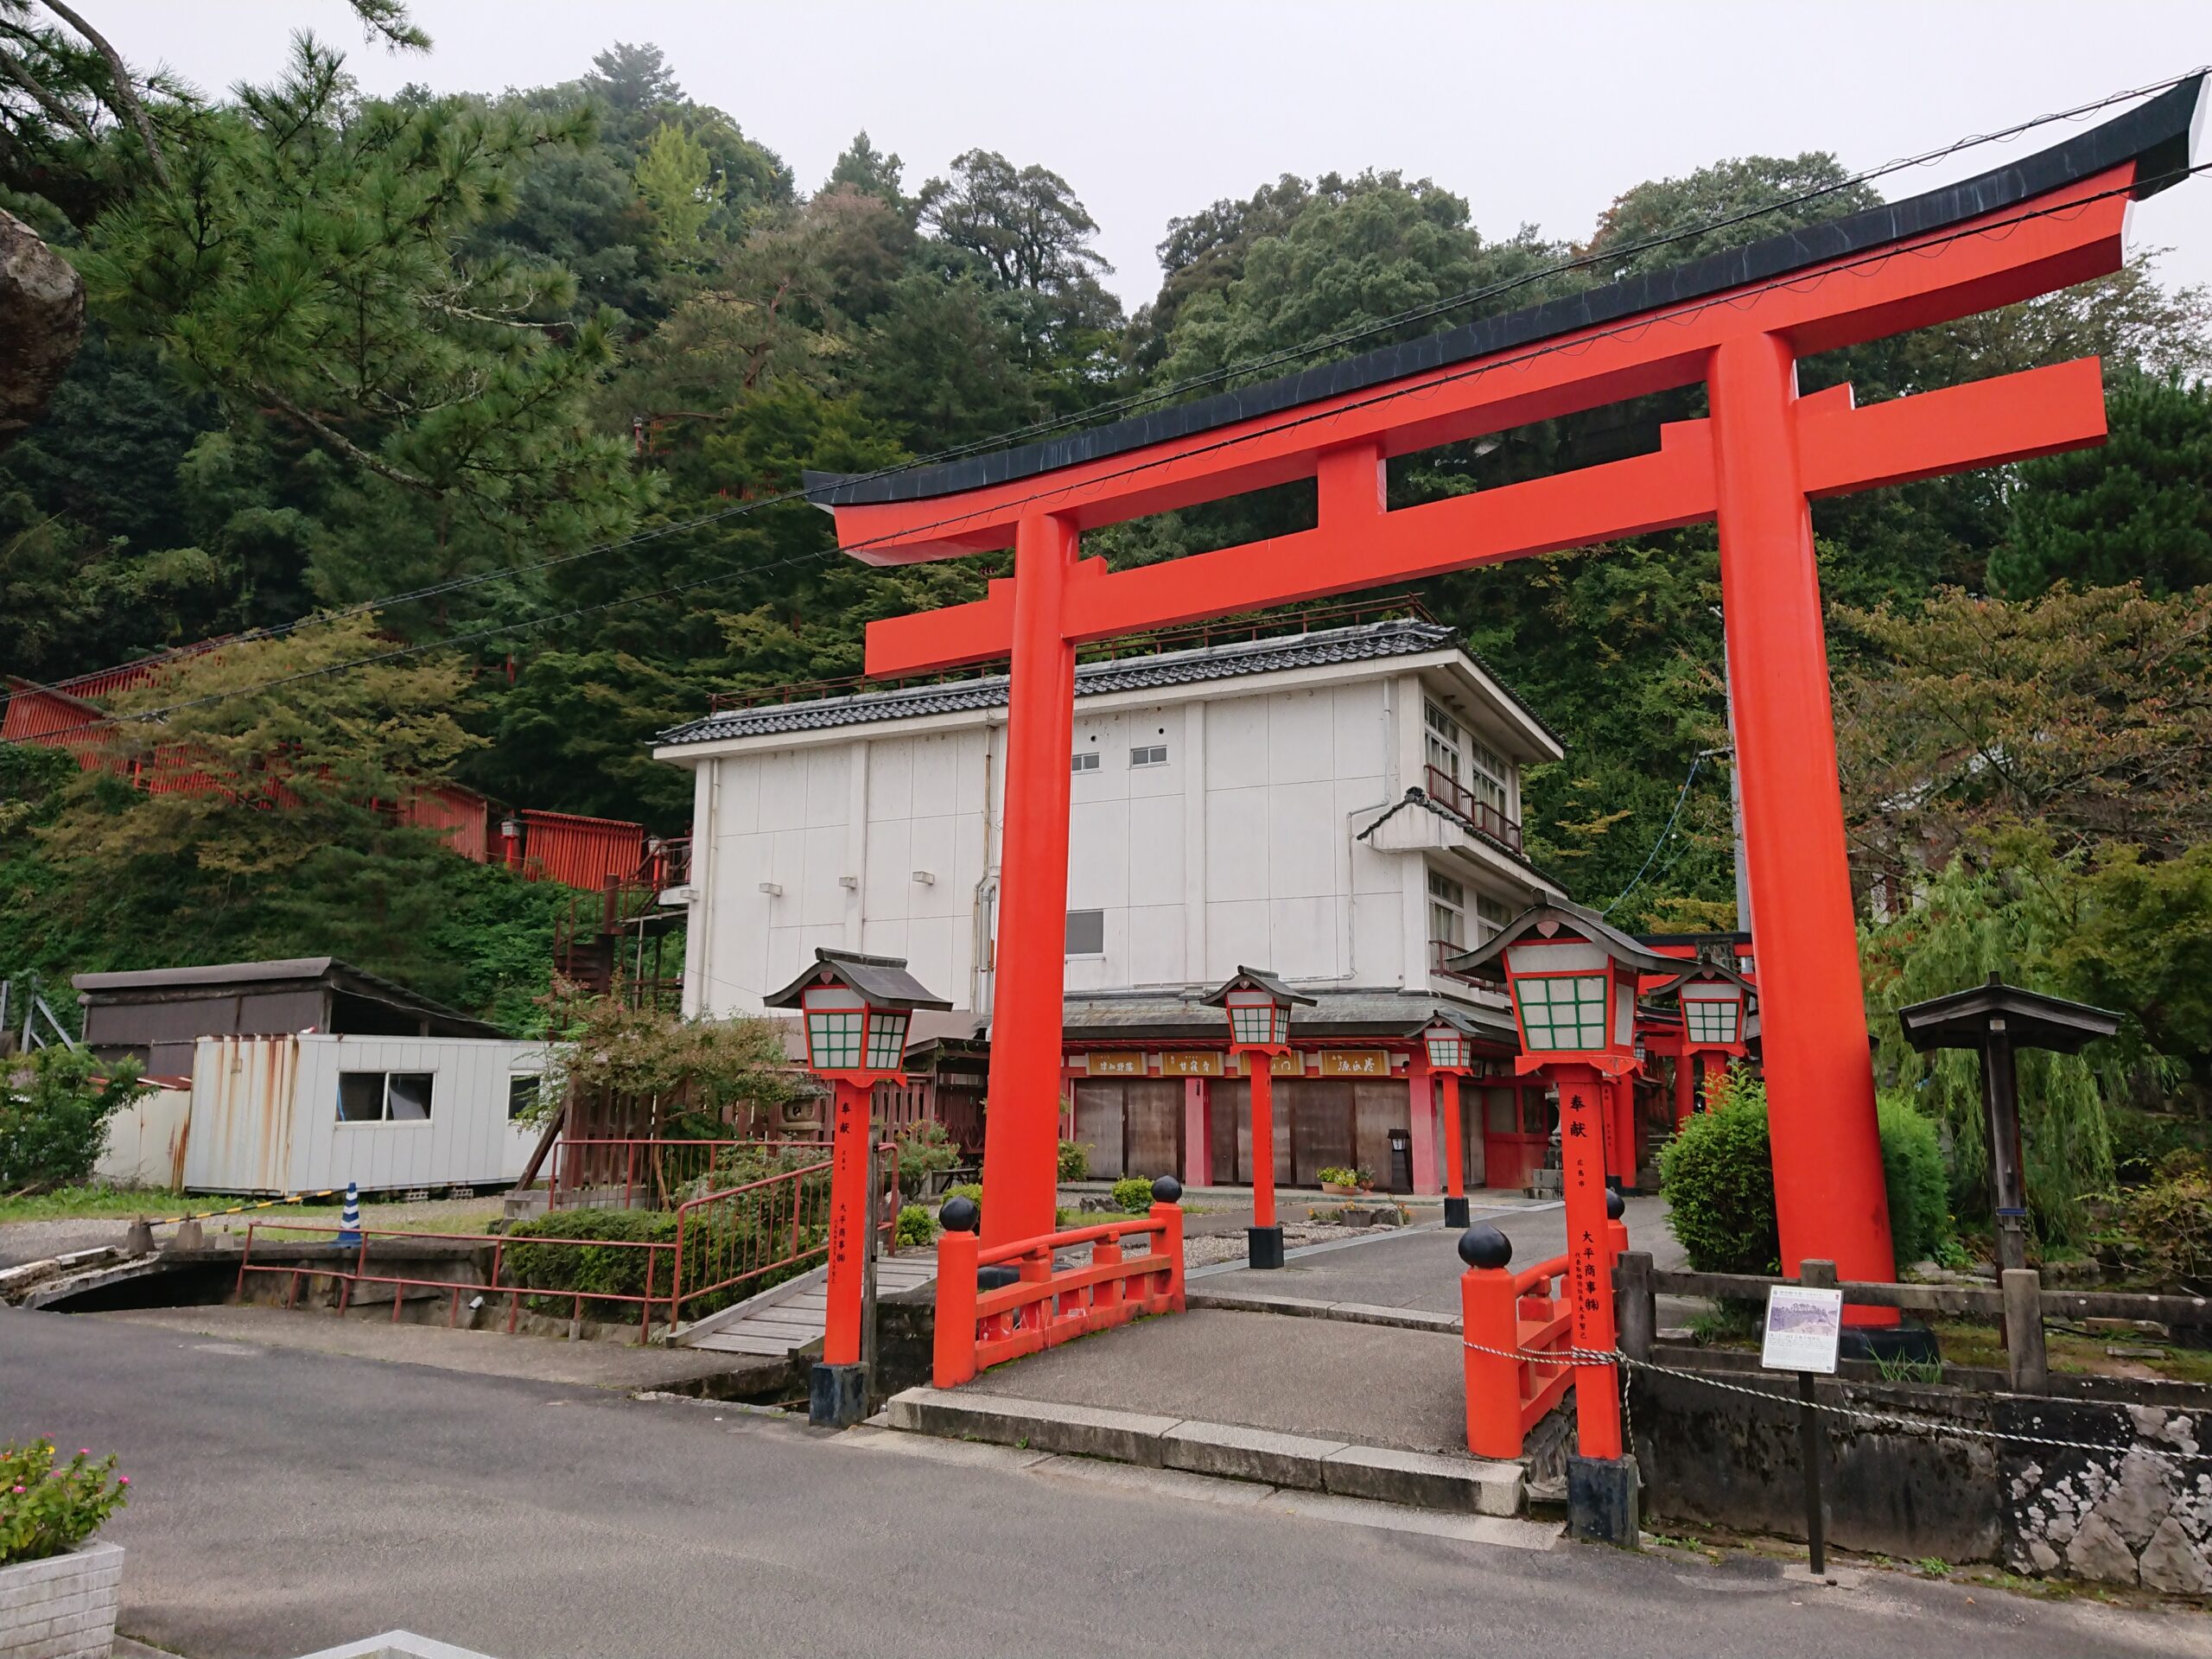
(1484, 1246)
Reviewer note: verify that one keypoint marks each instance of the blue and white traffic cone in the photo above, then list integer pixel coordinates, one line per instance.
(349, 1218)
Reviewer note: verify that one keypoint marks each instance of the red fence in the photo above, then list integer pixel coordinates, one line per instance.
(657, 1286)
(581, 852)
(1050, 1305)
(642, 1174)
(727, 1246)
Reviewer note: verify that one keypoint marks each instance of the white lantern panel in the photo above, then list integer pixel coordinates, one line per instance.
(833, 1038)
(1710, 1022)
(887, 1039)
(1561, 1012)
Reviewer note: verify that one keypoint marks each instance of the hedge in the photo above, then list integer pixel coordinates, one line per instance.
(1717, 1174)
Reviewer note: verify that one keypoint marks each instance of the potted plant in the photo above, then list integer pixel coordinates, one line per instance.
(1346, 1183)
(58, 1591)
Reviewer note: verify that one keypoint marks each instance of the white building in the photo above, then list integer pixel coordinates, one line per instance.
(1336, 806)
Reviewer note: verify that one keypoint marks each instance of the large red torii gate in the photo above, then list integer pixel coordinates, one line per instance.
(1739, 321)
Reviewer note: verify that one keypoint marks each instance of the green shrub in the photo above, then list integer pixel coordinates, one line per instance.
(1133, 1193)
(1718, 1173)
(45, 1510)
(916, 1228)
(923, 1151)
(2163, 1230)
(1918, 1186)
(720, 1240)
(1075, 1162)
(1336, 1175)
(53, 1115)
(1720, 1186)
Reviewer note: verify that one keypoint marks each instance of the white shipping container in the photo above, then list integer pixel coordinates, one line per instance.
(300, 1114)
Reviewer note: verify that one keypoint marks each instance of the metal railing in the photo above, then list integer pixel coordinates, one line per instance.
(1478, 814)
(735, 1243)
(1050, 1305)
(613, 1174)
(656, 1288)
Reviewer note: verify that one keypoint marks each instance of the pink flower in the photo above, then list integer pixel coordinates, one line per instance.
(123, 1480)
(19, 1489)
(84, 1450)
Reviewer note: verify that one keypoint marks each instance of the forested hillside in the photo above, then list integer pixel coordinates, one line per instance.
(524, 381)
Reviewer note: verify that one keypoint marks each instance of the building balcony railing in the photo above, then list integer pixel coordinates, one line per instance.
(1478, 814)
(1441, 952)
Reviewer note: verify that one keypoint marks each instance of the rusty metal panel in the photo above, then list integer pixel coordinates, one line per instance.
(239, 1138)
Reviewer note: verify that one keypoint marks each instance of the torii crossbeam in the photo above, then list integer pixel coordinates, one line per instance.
(1737, 321)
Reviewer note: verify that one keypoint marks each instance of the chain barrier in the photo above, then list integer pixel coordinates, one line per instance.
(1930, 1426)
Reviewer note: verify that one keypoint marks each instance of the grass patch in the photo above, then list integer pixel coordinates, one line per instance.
(123, 1203)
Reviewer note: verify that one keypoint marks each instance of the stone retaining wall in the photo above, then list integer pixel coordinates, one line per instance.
(2114, 1507)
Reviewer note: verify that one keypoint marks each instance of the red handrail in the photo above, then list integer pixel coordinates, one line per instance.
(1045, 1307)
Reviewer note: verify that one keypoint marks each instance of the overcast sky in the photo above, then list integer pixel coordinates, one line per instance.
(1535, 113)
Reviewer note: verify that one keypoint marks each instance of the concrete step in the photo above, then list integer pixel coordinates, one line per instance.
(1421, 1479)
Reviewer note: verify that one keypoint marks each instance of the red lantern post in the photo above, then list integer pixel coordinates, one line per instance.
(1716, 1004)
(1450, 1045)
(855, 1009)
(1258, 1005)
(1573, 979)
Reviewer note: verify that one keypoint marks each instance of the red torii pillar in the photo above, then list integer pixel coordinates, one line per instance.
(1753, 465)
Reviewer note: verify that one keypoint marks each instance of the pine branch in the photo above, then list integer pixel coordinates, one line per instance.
(125, 99)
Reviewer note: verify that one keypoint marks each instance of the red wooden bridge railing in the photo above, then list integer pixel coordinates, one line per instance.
(1047, 1305)
(1517, 1330)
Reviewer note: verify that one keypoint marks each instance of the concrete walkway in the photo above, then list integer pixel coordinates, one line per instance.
(1421, 1269)
(1369, 1384)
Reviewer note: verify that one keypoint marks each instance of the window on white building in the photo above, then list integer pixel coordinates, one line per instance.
(1083, 760)
(1447, 910)
(1149, 755)
(384, 1096)
(1086, 933)
(1487, 775)
(521, 1094)
(1444, 738)
(1490, 917)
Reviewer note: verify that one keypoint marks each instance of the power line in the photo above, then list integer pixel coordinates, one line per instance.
(1177, 388)
(1733, 298)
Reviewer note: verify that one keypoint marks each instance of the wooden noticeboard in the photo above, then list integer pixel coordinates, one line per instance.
(1172, 1064)
(1116, 1065)
(1355, 1063)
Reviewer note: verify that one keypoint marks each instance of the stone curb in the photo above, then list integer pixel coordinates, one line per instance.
(1385, 1474)
(1403, 1319)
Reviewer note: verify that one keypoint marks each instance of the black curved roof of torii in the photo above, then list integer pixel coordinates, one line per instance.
(2156, 134)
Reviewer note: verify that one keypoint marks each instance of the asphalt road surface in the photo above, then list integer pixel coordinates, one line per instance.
(284, 1501)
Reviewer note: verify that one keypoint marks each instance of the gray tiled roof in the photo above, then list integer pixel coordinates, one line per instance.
(1172, 1016)
(1363, 643)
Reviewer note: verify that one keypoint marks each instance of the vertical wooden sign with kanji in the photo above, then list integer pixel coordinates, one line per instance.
(1589, 1256)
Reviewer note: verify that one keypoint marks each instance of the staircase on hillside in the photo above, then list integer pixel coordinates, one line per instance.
(616, 939)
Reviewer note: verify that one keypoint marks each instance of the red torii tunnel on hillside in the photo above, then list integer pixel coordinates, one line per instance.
(1737, 321)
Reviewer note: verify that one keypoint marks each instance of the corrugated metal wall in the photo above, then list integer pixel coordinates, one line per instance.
(264, 1114)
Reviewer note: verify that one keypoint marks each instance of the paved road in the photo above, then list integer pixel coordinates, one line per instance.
(284, 1501)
